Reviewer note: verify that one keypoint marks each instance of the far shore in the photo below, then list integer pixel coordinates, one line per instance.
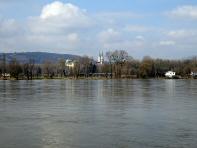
(99, 78)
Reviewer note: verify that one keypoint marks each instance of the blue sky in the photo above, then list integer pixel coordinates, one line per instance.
(158, 28)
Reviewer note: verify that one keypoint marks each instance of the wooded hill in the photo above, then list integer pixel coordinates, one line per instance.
(38, 57)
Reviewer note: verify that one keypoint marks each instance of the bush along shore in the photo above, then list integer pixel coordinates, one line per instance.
(117, 65)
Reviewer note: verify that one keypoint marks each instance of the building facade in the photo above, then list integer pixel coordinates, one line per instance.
(170, 74)
(70, 63)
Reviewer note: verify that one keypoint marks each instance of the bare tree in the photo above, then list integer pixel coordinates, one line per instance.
(147, 68)
(76, 69)
(15, 68)
(109, 57)
(28, 69)
(31, 67)
(48, 69)
(3, 68)
(117, 58)
(85, 63)
(38, 71)
(61, 67)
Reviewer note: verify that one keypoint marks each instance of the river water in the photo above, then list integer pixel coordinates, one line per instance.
(98, 114)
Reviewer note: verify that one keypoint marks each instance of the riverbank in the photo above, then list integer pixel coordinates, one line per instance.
(98, 78)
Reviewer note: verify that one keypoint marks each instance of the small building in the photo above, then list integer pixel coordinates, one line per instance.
(170, 74)
(70, 63)
(5, 76)
(194, 74)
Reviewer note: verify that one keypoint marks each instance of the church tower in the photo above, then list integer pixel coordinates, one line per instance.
(100, 58)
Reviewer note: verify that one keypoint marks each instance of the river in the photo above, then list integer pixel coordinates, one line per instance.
(98, 114)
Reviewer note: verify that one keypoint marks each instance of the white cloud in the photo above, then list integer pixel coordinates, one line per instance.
(109, 19)
(118, 15)
(185, 12)
(58, 17)
(182, 33)
(136, 28)
(59, 9)
(167, 43)
(140, 38)
(128, 45)
(57, 27)
(109, 35)
(113, 39)
(9, 28)
(73, 38)
(67, 28)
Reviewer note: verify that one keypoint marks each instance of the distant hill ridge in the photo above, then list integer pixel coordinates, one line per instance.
(39, 57)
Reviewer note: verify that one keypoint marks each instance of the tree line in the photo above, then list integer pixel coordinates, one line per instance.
(118, 64)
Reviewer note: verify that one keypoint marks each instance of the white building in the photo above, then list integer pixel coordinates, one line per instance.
(100, 59)
(170, 74)
(5, 75)
(70, 63)
(193, 74)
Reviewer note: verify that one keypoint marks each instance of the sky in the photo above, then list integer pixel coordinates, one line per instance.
(156, 28)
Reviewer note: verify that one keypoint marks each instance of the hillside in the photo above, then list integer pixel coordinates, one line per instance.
(39, 57)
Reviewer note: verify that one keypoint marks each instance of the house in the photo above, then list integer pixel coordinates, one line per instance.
(70, 63)
(6, 75)
(170, 74)
(194, 74)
